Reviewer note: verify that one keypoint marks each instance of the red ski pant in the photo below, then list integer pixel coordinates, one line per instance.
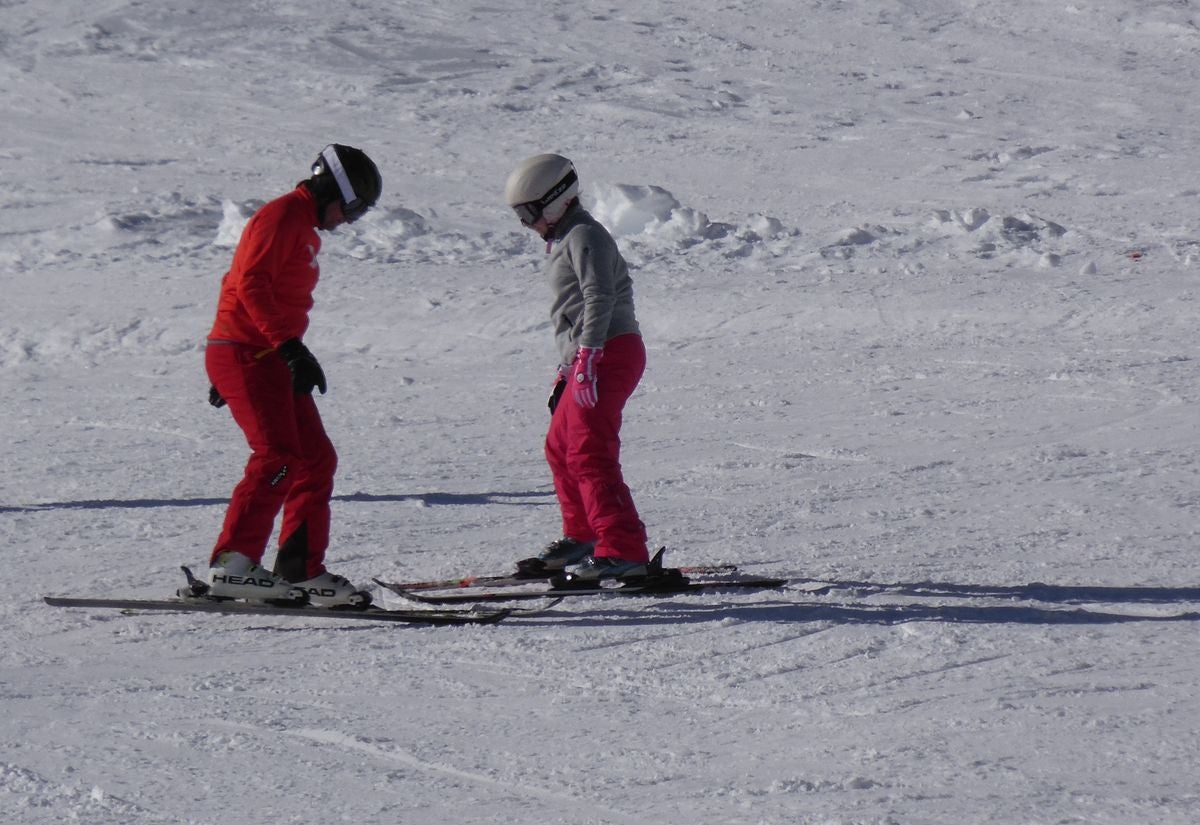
(583, 448)
(291, 465)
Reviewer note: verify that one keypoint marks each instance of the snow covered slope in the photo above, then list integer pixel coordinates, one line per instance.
(919, 288)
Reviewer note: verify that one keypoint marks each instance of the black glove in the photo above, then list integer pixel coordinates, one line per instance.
(561, 376)
(215, 398)
(306, 372)
(556, 394)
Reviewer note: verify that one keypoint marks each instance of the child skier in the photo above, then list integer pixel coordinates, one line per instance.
(602, 359)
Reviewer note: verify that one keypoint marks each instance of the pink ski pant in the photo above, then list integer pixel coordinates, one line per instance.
(583, 448)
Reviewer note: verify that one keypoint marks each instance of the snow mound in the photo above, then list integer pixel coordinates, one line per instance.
(987, 236)
(234, 217)
(387, 234)
(1016, 240)
(629, 210)
(651, 216)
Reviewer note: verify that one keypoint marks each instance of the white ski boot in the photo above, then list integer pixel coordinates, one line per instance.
(234, 576)
(332, 590)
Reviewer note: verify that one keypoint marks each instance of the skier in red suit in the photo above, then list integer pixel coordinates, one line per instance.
(260, 368)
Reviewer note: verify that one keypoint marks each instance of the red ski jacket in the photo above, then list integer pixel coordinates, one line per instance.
(267, 293)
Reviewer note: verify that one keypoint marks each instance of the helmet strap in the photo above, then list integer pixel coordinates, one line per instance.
(334, 164)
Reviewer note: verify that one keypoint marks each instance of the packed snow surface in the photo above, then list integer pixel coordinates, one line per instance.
(918, 282)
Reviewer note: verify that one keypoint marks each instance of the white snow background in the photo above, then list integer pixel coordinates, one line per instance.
(919, 285)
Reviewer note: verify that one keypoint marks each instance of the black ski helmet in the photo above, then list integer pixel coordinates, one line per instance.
(343, 173)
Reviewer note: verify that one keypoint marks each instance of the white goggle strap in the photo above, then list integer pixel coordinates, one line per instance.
(334, 164)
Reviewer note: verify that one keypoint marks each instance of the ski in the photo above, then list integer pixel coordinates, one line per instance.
(239, 608)
(519, 579)
(659, 581)
(649, 588)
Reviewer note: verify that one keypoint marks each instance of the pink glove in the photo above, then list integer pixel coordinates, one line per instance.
(586, 392)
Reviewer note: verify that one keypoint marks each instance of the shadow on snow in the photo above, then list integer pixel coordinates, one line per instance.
(856, 602)
(1035, 591)
(845, 613)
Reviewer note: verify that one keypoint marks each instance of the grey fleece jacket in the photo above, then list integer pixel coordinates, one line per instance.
(590, 283)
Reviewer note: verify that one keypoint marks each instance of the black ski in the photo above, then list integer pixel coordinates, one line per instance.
(525, 578)
(659, 581)
(645, 588)
(240, 608)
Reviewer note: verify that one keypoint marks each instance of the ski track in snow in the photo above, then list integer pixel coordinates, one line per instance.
(918, 283)
(495, 785)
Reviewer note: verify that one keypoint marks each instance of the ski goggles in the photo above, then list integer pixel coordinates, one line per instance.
(530, 212)
(353, 207)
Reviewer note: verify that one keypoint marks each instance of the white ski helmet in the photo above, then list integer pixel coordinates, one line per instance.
(542, 186)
